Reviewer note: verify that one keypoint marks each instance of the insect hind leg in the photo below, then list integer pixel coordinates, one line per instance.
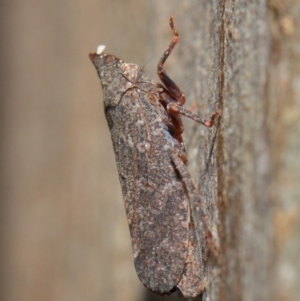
(199, 217)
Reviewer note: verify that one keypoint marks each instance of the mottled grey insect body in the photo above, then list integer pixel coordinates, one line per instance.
(155, 200)
(143, 117)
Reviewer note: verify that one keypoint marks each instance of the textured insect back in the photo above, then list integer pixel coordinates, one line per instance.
(145, 124)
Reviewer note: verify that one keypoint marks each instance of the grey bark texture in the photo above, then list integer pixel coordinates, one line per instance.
(64, 235)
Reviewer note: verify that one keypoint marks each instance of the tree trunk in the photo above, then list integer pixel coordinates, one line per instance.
(242, 57)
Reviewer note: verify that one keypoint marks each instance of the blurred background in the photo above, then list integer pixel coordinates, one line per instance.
(63, 228)
(64, 233)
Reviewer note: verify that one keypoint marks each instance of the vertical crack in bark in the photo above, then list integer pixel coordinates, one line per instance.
(220, 155)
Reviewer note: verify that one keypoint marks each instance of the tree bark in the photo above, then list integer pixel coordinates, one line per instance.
(241, 57)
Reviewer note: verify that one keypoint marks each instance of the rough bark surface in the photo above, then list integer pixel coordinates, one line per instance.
(63, 227)
(242, 57)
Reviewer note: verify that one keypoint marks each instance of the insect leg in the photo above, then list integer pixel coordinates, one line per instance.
(174, 109)
(199, 217)
(193, 280)
(173, 89)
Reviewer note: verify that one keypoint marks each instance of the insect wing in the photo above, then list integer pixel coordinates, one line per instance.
(155, 200)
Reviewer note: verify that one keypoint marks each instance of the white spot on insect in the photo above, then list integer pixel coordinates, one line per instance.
(100, 49)
(143, 147)
(128, 84)
(130, 142)
(135, 254)
(166, 147)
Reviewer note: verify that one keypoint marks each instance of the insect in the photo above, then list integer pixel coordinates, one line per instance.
(144, 118)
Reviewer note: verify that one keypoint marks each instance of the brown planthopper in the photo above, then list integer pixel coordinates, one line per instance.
(162, 206)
